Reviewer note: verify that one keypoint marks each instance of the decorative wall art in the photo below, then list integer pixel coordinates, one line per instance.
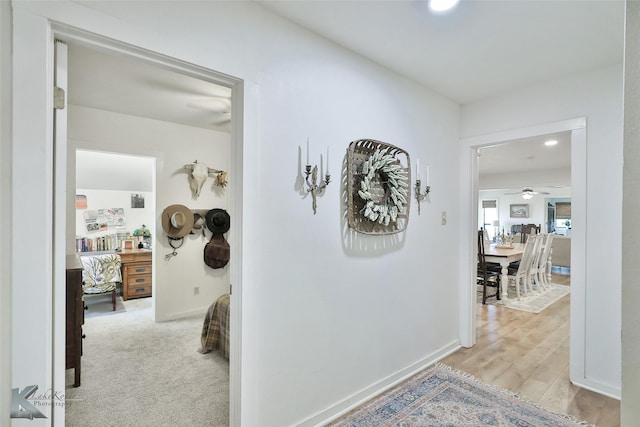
(104, 219)
(198, 174)
(519, 211)
(137, 200)
(81, 201)
(378, 177)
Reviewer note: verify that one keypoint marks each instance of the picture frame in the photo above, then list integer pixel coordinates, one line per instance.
(519, 211)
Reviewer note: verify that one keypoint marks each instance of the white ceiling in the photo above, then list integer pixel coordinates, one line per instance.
(118, 83)
(479, 49)
(514, 165)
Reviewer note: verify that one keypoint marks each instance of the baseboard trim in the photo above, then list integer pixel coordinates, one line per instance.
(183, 314)
(342, 407)
(605, 390)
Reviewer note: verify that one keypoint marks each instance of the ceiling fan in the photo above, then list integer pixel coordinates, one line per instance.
(219, 108)
(528, 193)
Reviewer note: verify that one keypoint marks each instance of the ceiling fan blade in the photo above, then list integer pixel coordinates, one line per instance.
(224, 118)
(527, 190)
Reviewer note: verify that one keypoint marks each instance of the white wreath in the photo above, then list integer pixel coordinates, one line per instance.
(394, 178)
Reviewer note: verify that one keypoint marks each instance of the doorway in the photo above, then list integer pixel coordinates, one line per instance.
(110, 212)
(228, 119)
(577, 129)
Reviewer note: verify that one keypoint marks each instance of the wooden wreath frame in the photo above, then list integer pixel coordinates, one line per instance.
(359, 152)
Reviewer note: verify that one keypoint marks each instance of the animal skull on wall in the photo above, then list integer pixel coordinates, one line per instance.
(198, 174)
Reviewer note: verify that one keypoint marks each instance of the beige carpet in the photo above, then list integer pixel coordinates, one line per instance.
(139, 373)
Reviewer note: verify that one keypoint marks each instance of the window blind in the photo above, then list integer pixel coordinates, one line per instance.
(489, 204)
(563, 210)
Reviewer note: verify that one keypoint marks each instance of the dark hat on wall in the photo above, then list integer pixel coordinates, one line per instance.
(177, 221)
(218, 221)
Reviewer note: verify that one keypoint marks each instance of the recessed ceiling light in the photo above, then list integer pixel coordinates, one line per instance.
(442, 5)
(550, 142)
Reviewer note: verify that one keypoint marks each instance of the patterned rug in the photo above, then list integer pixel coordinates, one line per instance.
(533, 304)
(442, 396)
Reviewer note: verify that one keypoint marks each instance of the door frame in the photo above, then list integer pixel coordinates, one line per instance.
(237, 102)
(34, 63)
(469, 221)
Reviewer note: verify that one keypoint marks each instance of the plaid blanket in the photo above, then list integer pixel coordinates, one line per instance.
(215, 330)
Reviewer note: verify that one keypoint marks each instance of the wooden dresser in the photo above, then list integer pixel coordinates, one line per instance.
(75, 316)
(136, 273)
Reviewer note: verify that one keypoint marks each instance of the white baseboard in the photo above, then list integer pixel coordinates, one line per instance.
(596, 387)
(175, 316)
(342, 407)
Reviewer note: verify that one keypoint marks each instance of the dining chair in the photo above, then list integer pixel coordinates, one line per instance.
(533, 281)
(520, 277)
(544, 263)
(486, 276)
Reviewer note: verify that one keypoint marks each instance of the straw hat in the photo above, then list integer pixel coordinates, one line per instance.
(177, 221)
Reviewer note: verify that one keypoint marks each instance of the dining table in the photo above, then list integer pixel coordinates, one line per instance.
(504, 255)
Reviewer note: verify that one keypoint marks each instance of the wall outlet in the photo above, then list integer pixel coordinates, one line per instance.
(196, 290)
(444, 218)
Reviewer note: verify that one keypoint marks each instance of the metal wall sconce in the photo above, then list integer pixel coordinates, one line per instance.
(313, 187)
(420, 196)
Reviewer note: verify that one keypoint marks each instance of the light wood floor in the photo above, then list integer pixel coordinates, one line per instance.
(529, 354)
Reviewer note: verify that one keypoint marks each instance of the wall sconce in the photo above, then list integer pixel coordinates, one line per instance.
(313, 187)
(420, 196)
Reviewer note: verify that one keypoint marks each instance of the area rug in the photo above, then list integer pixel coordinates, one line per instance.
(534, 303)
(443, 396)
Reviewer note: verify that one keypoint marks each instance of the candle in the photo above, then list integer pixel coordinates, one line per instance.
(428, 174)
(308, 151)
(327, 160)
(417, 169)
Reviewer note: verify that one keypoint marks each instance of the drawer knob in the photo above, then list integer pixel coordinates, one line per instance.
(140, 280)
(139, 270)
(139, 289)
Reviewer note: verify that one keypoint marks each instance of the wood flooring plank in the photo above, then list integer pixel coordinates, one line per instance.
(610, 413)
(529, 354)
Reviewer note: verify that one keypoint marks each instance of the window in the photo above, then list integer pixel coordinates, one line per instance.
(490, 221)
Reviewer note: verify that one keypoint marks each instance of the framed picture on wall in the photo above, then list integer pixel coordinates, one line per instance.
(137, 200)
(519, 211)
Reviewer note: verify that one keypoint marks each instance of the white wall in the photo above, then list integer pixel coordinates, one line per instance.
(5, 210)
(329, 317)
(173, 279)
(598, 96)
(630, 405)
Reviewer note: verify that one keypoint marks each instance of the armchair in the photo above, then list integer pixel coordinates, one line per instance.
(101, 274)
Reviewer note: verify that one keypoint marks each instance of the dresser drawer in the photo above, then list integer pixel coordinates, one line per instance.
(142, 290)
(138, 280)
(135, 269)
(136, 273)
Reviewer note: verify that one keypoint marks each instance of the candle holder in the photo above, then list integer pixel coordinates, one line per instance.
(420, 196)
(313, 187)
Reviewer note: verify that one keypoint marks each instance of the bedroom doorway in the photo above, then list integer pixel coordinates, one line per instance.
(228, 119)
